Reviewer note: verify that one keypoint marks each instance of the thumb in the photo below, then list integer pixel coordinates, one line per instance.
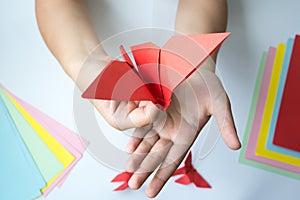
(220, 108)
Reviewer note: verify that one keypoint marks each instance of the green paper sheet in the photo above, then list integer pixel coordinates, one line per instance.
(20, 178)
(242, 158)
(45, 160)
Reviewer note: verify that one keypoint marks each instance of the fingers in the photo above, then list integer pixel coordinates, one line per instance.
(144, 114)
(106, 108)
(181, 143)
(124, 115)
(169, 165)
(223, 115)
(153, 159)
(131, 114)
(116, 112)
(220, 108)
(141, 152)
(137, 137)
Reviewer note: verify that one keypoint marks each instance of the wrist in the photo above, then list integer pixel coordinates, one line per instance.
(84, 71)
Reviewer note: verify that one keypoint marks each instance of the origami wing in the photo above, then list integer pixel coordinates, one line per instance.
(190, 174)
(160, 70)
(182, 55)
(146, 57)
(122, 177)
(118, 81)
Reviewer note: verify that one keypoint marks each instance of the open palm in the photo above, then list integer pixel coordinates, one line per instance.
(166, 140)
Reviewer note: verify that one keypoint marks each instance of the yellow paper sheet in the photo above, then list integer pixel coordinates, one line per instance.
(56, 148)
(268, 111)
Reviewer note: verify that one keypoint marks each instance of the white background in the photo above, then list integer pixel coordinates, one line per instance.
(29, 70)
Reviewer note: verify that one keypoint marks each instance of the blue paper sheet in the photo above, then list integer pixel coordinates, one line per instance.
(20, 178)
(45, 160)
(269, 144)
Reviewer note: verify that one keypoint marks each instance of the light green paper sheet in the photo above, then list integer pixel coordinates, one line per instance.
(268, 112)
(47, 163)
(242, 158)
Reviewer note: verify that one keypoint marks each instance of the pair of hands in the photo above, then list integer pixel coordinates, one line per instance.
(161, 139)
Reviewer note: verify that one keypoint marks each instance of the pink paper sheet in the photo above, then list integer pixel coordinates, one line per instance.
(253, 137)
(70, 140)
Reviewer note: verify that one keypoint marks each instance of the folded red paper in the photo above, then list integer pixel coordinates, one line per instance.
(190, 174)
(122, 177)
(159, 71)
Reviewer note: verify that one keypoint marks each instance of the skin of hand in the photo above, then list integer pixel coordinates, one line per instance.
(121, 115)
(70, 36)
(68, 32)
(164, 143)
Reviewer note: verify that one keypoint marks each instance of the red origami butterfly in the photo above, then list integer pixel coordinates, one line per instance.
(159, 71)
(188, 172)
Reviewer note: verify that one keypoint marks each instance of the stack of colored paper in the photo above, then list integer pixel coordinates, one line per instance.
(272, 136)
(37, 153)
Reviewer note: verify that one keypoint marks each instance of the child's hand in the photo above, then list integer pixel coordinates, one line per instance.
(123, 115)
(165, 142)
